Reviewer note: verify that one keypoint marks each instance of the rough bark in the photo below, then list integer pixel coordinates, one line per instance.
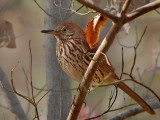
(58, 102)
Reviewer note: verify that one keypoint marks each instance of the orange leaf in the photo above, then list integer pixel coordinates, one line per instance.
(93, 29)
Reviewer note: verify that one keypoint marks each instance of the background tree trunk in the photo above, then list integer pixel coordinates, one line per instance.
(58, 102)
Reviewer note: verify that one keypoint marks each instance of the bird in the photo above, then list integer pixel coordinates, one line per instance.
(74, 55)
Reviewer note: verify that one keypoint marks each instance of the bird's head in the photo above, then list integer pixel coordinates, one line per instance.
(65, 31)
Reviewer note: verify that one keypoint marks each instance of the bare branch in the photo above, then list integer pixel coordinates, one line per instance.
(72, 10)
(135, 50)
(14, 105)
(42, 8)
(30, 100)
(125, 106)
(122, 63)
(125, 7)
(98, 9)
(108, 107)
(134, 111)
(142, 10)
(105, 45)
(113, 83)
(84, 87)
(31, 84)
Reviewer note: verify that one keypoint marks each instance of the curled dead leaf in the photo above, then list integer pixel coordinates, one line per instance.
(93, 29)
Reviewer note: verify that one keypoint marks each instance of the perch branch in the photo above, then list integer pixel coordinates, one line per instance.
(105, 45)
(134, 111)
(83, 89)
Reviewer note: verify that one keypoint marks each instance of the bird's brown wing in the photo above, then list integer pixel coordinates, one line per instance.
(126, 88)
(106, 67)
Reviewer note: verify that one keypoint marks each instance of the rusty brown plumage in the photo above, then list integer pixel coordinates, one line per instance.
(74, 55)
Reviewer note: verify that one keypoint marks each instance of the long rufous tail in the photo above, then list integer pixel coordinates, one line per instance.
(136, 98)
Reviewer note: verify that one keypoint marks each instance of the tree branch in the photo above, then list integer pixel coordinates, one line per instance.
(142, 10)
(125, 7)
(84, 86)
(134, 111)
(14, 105)
(105, 45)
(98, 9)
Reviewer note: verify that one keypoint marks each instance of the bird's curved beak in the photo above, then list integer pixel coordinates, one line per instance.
(48, 31)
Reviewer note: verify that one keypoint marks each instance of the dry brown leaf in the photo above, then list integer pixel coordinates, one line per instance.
(93, 29)
(7, 37)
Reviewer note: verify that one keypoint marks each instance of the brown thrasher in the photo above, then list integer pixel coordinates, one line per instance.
(71, 54)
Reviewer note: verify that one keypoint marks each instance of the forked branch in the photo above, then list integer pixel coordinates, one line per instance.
(105, 45)
(30, 100)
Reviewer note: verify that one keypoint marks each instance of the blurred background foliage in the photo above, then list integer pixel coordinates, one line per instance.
(28, 20)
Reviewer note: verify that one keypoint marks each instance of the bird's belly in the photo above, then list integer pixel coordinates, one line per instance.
(76, 70)
(72, 69)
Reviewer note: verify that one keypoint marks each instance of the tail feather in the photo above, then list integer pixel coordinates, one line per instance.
(136, 98)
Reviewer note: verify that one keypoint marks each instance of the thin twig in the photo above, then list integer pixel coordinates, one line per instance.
(135, 51)
(30, 100)
(73, 12)
(42, 97)
(37, 94)
(43, 9)
(13, 87)
(11, 98)
(53, 90)
(111, 96)
(134, 111)
(27, 87)
(31, 84)
(113, 83)
(71, 9)
(108, 108)
(121, 107)
(98, 9)
(122, 63)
